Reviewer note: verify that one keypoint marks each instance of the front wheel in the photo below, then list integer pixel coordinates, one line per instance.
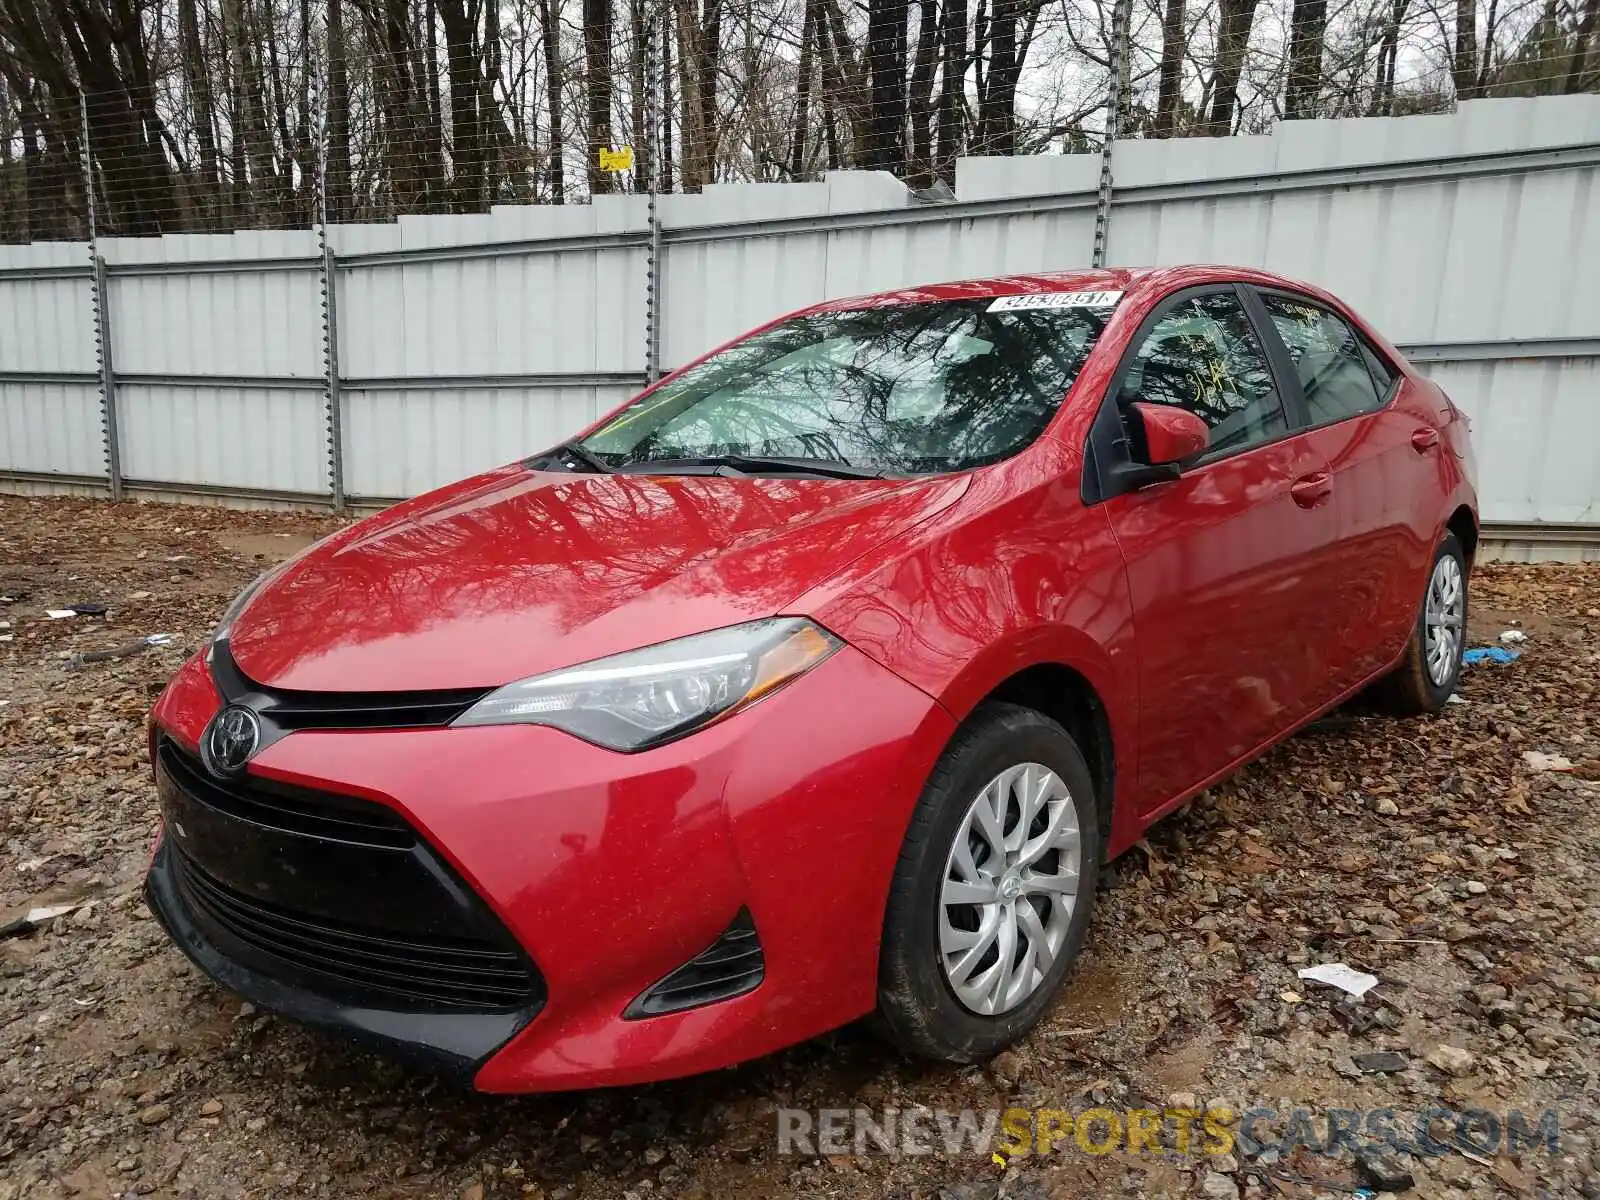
(991, 896)
(1428, 674)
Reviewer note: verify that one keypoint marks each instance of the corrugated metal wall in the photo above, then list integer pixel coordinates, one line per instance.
(454, 359)
(49, 402)
(1473, 240)
(217, 347)
(403, 441)
(1536, 429)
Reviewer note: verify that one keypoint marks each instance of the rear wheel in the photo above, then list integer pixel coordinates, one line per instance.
(992, 893)
(1427, 676)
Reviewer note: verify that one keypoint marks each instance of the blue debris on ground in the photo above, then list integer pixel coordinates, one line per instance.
(1494, 654)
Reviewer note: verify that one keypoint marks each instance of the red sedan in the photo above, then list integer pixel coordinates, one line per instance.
(819, 680)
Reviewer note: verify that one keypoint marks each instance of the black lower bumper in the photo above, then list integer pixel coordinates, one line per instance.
(453, 1044)
(334, 911)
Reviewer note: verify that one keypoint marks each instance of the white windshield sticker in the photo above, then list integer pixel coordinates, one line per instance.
(1056, 300)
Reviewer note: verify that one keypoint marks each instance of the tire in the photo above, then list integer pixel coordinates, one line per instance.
(1412, 688)
(919, 1008)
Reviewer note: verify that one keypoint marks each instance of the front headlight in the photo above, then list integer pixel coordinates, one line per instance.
(645, 697)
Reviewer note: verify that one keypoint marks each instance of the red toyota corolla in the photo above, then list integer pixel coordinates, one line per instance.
(817, 681)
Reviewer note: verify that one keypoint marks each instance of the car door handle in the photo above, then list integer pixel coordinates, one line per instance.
(1311, 490)
(1424, 439)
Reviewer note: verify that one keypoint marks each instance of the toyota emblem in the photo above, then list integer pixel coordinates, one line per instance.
(232, 739)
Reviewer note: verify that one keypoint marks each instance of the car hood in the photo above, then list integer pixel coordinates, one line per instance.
(516, 572)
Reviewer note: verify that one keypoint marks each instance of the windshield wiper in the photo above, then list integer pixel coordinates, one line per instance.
(580, 452)
(745, 464)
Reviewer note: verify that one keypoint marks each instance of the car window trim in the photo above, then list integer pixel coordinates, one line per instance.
(1386, 396)
(1105, 431)
(1296, 407)
(1395, 374)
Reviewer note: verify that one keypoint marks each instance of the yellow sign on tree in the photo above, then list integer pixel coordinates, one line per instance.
(620, 159)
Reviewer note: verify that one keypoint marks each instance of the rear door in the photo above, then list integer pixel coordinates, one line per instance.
(1229, 564)
(1364, 417)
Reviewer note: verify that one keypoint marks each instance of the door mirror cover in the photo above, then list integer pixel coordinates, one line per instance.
(1171, 435)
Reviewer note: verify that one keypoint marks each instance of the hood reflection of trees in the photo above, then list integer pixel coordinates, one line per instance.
(566, 552)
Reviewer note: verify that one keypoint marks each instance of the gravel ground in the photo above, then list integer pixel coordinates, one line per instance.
(1429, 852)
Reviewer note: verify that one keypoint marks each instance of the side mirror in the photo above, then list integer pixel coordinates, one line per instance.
(1172, 435)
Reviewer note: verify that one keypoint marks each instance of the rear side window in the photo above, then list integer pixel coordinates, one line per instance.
(1382, 373)
(1202, 356)
(1335, 368)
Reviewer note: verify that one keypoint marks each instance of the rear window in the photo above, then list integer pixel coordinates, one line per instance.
(915, 388)
(1335, 367)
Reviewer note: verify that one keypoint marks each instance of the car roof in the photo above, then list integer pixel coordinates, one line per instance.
(1131, 280)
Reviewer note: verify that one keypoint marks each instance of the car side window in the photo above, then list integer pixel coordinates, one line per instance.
(1203, 355)
(1383, 375)
(1335, 368)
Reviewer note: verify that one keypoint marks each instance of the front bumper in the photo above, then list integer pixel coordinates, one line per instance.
(610, 872)
(452, 1044)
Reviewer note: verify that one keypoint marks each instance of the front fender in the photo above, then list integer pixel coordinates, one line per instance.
(1017, 573)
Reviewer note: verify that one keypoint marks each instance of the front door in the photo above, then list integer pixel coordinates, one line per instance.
(1227, 564)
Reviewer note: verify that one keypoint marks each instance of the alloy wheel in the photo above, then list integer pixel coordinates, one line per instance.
(1443, 617)
(1009, 888)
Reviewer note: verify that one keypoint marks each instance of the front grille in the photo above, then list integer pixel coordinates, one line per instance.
(336, 895)
(275, 805)
(731, 966)
(283, 710)
(475, 975)
(366, 710)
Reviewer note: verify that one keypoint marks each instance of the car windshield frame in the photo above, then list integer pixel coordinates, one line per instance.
(919, 388)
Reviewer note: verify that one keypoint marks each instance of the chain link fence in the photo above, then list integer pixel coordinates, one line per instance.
(218, 115)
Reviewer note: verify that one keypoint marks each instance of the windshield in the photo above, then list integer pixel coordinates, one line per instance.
(914, 388)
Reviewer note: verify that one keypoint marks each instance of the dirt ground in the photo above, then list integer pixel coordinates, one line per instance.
(1428, 852)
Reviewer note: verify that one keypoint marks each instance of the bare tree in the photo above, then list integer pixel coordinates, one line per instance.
(550, 30)
(1466, 50)
(1586, 35)
(699, 53)
(803, 86)
(1306, 28)
(952, 93)
(460, 21)
(597, 87)
(639, 37)
(1388, 58)
(920, 107)
(845, 88)
(886, 75)
(1233, 36)
(665, 140)
(202, 113)
(997, 96)
(339, 199)
(197, 75)
(1173, 45)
